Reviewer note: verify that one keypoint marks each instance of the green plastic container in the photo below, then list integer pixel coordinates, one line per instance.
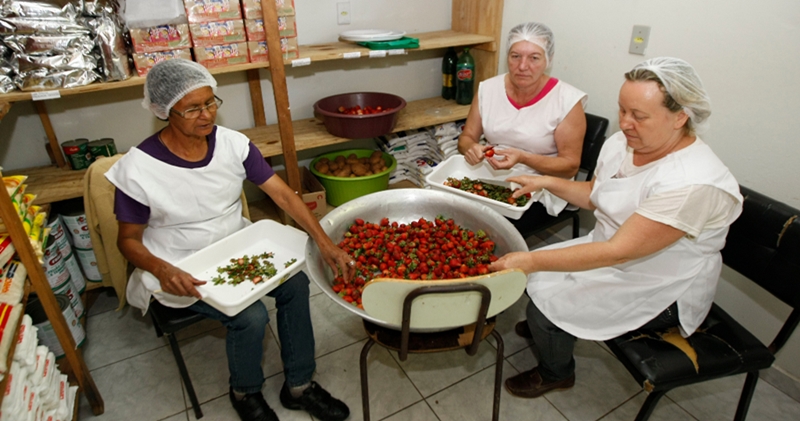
(339, 190)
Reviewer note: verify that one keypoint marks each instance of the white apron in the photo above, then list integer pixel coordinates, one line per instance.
(603, 303)
(190, 208)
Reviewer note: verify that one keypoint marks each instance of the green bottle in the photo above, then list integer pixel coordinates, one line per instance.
(465, 78)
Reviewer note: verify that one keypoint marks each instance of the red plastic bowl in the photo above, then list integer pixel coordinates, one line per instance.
(359, 126)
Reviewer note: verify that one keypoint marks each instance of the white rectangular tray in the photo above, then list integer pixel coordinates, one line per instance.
(457, 167)
(263, 236)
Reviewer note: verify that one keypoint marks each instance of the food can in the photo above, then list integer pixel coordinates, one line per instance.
(102, 147)
(59, 237)
(46, 333)
(78, 228)
(55, 269)
(88, 262)
(77, 151)
(68, 289)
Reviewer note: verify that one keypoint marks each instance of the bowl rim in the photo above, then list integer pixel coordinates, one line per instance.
(327, 113)
(388, 170)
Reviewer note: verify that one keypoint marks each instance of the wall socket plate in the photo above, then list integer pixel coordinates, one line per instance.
(639, 39)
(343, 13)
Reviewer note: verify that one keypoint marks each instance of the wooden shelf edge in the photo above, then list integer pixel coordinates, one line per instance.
(319, 52)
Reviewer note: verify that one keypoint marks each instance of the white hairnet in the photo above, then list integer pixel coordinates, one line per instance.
(535, 33)
(683, 84)
(170, 80)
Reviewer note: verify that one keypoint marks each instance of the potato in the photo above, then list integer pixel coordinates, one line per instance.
(363, 161)
(333, 166)
(324, 160)
(324, 169)
(352, 156)
(379, 167)
(344, 172)
(374, 159)
(376, 153)
(352, 160)
(359, 169)
(340, 159)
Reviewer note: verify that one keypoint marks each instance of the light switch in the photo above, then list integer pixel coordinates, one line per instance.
(639, 39)
(343, 13)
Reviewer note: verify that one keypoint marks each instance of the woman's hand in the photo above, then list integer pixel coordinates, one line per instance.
(515, 260)
(339, 260)
(178, 282)
(476, 153)
(511, 157)
(529, 183)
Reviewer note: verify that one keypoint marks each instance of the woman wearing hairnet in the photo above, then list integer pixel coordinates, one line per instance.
(179, 191)
(535, 123)
(663, 203)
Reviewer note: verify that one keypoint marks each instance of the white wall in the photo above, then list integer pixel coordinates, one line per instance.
(748, 56)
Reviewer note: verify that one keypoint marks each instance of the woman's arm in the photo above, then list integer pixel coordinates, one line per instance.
(289, 201)
(172, 279)
(638, 237)
(575, 192)
(468, 144)
(569, 143)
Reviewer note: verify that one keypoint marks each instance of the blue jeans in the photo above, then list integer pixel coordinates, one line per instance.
(555, 346)
(246, 330)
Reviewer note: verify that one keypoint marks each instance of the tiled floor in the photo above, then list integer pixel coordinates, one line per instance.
(138, 378)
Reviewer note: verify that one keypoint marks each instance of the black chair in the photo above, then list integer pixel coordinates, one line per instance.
(763, 245)
(592, 143)
(167, 321)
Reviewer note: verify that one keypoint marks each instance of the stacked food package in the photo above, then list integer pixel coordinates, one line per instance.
(52, 44)
(218, 34)
(418, 151)
(256, 37)
(158, 30)
(36, 389)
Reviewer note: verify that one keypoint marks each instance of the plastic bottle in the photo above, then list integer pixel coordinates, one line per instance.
(449, 74)
(465, 78)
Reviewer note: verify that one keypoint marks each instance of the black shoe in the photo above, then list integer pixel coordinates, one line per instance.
(317, 402)
(252, 407)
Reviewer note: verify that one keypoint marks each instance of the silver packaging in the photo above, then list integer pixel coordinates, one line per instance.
(76, 60)
(47, 25)
(109, 38)
(49, 44)
(40, 8)
(6, 76)
(100, 7)
(43, 79)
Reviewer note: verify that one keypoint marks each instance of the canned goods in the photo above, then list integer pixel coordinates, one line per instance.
(46, 333)
(78, 228)
(102, 147)
(68, 289)
(77, 151)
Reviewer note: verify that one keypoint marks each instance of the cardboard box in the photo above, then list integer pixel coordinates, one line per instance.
(212, 10)
(252, 8)
(259, 54)
(160, 38)
(212, 56)
(145, 61)
(287, 28)
(313, 194)
(217, 33)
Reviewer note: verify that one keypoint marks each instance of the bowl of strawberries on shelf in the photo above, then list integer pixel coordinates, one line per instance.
(359, 115)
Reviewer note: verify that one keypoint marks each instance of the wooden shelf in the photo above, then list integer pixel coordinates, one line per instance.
(321, 52)
(311, 133)
(52, 184)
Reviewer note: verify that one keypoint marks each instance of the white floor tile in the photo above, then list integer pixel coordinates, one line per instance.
(116, 335)
(473, 398)
(506, 321)
(418, 412)
(666, 410)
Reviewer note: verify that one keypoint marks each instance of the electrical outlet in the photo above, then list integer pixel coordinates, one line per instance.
(639, 39)
(343, 13)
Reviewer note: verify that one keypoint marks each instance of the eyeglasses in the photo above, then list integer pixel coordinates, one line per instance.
(193, 113)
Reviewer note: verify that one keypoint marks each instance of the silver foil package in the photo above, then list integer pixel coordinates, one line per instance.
(46, 25)
(109, 38)
(76, 60)
(100, 7)
(40, 8)
(45, 79)
(49, 44)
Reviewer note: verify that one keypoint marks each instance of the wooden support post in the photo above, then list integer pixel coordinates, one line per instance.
(51, 134)
(256, 97)
(4, 108)
(281, 94)
(484, 18)
(42, 288)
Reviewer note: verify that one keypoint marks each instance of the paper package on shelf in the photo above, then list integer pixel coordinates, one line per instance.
(25, 352)
(149, 13)
(160, 38)
(259, 53)
(9, 318)
(145, 61)
(251, 9)
(416, 152)
(217, 33)
(222, 55)
(16, 390)
(12, 282)
(212, 10)
(447, 137)
(287, 28)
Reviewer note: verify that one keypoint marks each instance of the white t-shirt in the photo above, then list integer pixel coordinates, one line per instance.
(530, 128)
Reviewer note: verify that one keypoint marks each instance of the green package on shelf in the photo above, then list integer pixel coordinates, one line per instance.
(405, 42)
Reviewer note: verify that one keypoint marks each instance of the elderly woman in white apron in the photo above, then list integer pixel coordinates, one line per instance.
(179, 191)
(663, 203)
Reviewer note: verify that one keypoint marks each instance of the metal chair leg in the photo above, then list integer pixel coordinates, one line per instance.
(747, 395)
(649, 405)
(365, 378)
(498, 376)
(576, 226)
(173, 343)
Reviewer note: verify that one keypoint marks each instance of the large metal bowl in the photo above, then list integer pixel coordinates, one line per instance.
(406, 205)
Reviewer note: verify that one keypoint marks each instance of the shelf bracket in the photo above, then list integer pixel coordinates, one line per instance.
(5, 107)
(51, 134)
(256, 98)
